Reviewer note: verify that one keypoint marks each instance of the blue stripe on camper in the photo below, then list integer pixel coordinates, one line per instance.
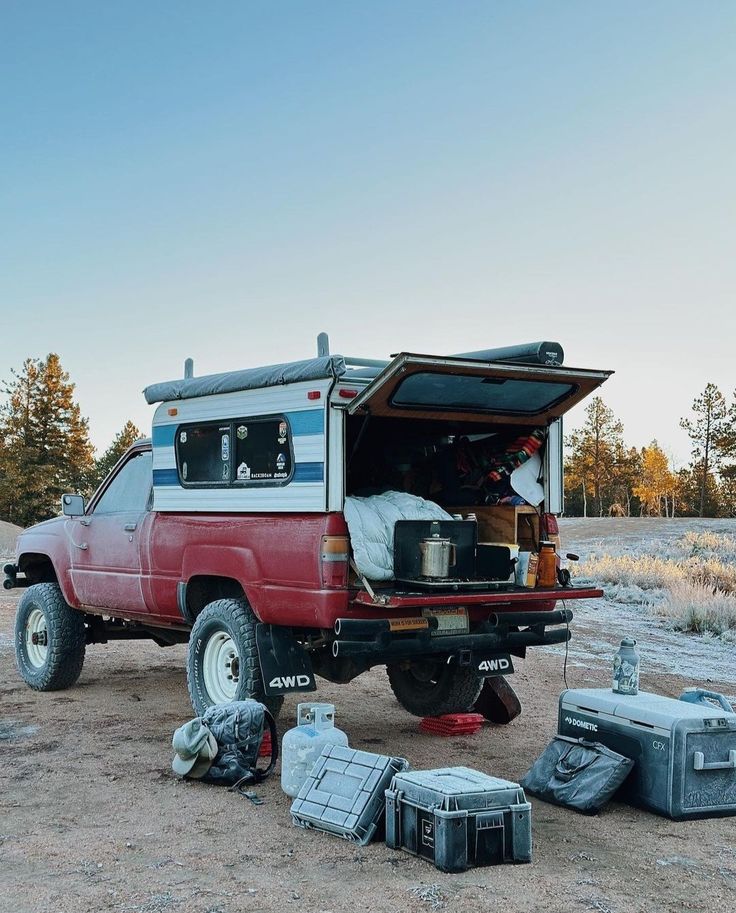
(303, 472)
(165, 477)
(163, 435)
(308, 421)
(309, 472)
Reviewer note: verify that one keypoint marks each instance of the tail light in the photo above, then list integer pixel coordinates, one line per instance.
(335, 561)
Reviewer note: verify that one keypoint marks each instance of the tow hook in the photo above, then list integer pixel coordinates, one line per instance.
(40, 638)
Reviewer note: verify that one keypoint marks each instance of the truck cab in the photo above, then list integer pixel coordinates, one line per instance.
(277, 521)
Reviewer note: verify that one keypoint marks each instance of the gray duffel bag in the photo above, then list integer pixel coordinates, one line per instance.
(577, 774)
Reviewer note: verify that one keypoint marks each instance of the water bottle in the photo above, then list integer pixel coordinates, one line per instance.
(626, 668)
(302, 745)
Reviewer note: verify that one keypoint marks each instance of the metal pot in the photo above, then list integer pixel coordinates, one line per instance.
(438, 556)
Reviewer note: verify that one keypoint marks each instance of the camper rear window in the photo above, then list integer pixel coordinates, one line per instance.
(237, 453)
(474, 393)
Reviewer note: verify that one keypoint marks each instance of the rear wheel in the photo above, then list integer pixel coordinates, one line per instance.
(432, 687)
(222, 660)
(50, 639)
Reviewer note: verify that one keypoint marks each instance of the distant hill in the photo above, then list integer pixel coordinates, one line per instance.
(8, 534)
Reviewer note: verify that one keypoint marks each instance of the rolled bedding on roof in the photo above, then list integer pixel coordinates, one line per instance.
(247, 379)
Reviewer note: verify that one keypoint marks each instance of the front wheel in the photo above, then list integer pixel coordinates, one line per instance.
(429, 687)
(222, 659)
(50, 639)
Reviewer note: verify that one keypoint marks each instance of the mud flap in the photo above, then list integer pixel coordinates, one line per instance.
(285, 665)
(498, 701)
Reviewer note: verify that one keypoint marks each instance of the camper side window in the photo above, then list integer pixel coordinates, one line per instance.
(235, 453)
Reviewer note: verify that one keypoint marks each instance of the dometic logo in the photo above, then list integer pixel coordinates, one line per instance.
(581, 724)
(494, 665)
(290, 681)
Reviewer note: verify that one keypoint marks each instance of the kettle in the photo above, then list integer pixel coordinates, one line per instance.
(438, 556)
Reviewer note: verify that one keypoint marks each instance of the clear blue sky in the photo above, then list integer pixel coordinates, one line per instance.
(223, 180)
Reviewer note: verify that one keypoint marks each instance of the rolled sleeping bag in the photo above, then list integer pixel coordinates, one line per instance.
(533, 353)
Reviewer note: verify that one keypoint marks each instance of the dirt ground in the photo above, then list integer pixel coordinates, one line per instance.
(93, 819)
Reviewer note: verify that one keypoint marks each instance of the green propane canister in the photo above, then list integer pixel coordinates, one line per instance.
(302, 745)
(626, 668)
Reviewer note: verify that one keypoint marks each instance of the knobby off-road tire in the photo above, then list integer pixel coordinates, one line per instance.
(434, 687)
(58, 663)
(222, 658)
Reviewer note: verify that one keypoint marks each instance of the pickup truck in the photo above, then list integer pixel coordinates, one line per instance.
(227, 530)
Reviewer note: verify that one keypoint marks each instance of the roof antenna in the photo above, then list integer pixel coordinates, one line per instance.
(323, 345)
(189, 369)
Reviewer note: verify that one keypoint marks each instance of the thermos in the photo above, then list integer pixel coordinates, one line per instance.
(547, 567)
(302, 745)
(626, 668)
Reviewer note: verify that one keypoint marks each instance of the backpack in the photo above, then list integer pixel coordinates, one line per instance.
(238, 728)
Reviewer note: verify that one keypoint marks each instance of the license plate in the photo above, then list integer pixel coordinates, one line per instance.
(449, 621)
(487, 664)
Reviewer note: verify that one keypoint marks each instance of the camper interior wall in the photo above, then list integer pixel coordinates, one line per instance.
(442, 461)
(336, 460)
(554, 490)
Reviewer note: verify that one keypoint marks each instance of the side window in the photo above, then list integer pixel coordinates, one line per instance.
(237, 453)
(262, 450)
(131, 487)
(203, 453)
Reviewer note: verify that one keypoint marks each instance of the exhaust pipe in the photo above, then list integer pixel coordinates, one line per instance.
(558, 617)
(425, 645)
(374, 627)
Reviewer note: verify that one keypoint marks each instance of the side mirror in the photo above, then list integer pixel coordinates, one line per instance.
(72, 505)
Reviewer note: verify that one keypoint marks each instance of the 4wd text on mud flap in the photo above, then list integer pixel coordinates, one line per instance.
(494, 665)
(289, 681)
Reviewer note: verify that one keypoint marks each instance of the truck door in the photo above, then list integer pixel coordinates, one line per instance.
(106, 543)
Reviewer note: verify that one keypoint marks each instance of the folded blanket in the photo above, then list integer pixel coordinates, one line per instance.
(371, 525)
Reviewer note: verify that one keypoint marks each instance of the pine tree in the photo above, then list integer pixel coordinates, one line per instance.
(45, 449)
(127, 435)
(592, 461)
(726, 444)
(706, 431)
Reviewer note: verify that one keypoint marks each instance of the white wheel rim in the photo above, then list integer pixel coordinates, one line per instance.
(36, 638)
(221, 667)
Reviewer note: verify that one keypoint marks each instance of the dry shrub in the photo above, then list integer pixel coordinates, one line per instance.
(645, 571)
(699, 608)
(691, 581)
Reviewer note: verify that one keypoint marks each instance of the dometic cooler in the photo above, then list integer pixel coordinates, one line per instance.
(684, 751)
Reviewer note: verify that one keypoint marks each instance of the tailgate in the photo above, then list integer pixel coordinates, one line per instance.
(542, 600)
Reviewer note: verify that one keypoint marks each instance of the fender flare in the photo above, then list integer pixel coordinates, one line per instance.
(232, 562)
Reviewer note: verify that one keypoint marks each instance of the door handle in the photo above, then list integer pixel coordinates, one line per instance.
(699, 762)
(129, 527)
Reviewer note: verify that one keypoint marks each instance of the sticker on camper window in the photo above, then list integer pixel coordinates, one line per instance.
(281, 462)
(184, 471)
(225, 447)
(242, 432)
(243, 471)
(183, 437)
(225, 472)
(283, 431)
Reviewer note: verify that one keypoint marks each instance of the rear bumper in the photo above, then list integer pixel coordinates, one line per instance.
(510, 632)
